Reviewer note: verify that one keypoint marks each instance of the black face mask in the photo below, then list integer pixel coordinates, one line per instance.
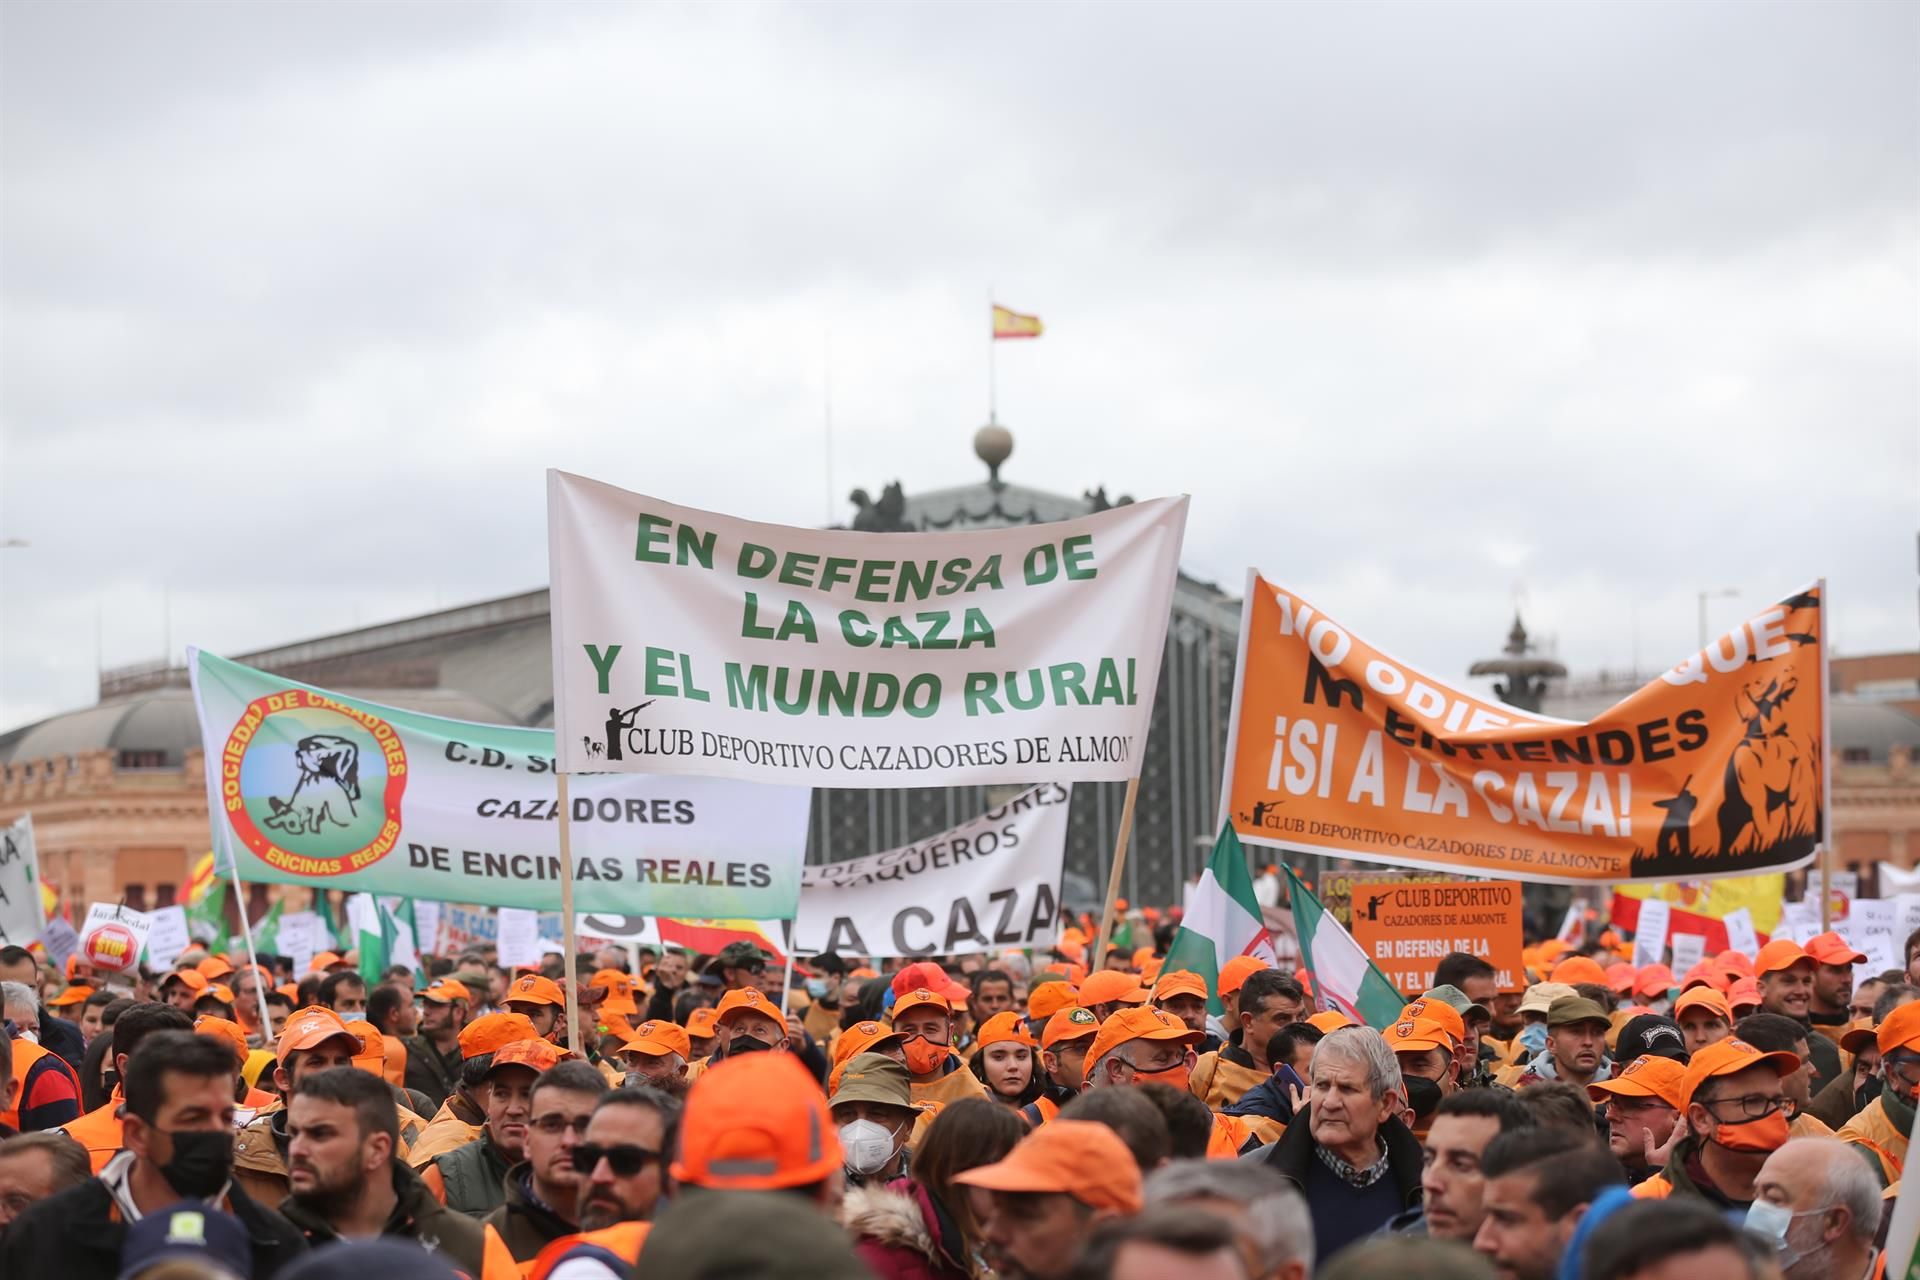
(1424, 1094)
(747, 1044)
(202, 1163)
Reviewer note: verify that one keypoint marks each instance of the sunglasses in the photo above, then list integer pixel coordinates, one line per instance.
(625, 1161)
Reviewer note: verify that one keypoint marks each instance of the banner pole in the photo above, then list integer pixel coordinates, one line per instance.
(786, 983)
(1826, 768)
(568, 946)
(253, 960)
(1098, 960)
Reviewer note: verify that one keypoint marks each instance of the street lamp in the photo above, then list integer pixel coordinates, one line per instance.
(1722, 594)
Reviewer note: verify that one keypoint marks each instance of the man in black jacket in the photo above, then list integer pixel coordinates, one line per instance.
(179, 1144)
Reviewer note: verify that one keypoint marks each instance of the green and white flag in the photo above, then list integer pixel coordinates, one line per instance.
(1222, 920)
(266, 931)
(378, 936)
(1343, 977)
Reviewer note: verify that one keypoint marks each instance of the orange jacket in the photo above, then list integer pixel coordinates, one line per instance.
(1874, 1131)
(623, 1239)
(99, 1131)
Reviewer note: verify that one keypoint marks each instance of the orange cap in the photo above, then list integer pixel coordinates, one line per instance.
(863, 972)
(213, 968)
(1069, 1024)
(1004, 1028)
(703, 1022)
(1737, 961)
(76, 994)
(757, 1123)
(1080, 1158)
(373, 1047)
(1553, 948)
(1048, 999)
(1141, 955)
(1150, 971)
(861, 1037)
(492, 1032)
(1109, 985)
(1181, 982)
(73, 965)
(1901, 1030)
(1724, 1057)
(657, 1039)
(1781, 953)
(619, 988)
(532, 988)
(1417, 1035)
(751, 999)
(1234, 973)
(1831, 948)
(1620, 977)
(1129, 1025)
(919, 997)
(1860, 1037)
(932, 977)
(1703, 998)
(1744, 994)
(1439, 1011)
(1647, 1076)
(1704, 972)
(192, 979)
(291, 990)
(221, 1029)
(1576, 969)
(307, 1028)
(536, 1054)
(1653, 980)
(446, 991)
(221, 991)
(1330, 1021)
(324, 960)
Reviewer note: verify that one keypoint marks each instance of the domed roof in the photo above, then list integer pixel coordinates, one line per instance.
(164, 721)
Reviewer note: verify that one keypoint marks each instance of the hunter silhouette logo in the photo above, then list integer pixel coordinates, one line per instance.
(619, 720)
(312, 785)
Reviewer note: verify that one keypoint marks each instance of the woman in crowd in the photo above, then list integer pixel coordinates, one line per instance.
(1004, 1060)
(923, 1227)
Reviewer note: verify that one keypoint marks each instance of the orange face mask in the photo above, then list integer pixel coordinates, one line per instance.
(1768, 1133)
(1175, 1075)
(924, 1057)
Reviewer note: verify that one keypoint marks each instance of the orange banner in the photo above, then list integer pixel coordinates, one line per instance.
(1717, 767)
(1408, 928)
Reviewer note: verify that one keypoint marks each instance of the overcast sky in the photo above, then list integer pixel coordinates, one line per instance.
(1429, 306)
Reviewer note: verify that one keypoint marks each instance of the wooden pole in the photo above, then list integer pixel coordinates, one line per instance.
(1098, 960)
(569, 946)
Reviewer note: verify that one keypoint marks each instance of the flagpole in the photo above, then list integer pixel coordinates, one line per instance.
(786, 983)
(1826, 771)
(253, 959)
(1098, 960)
(569, 947)
(992, 349)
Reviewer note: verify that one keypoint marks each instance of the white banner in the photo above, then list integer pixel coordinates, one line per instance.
(20, 917)
(986, 885)
(113, 937)
(689, 642)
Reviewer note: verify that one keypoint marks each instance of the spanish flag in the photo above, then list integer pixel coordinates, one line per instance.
(1011, 324)
(201, 881)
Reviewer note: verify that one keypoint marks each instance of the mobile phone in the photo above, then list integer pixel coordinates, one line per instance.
(1291, 1078)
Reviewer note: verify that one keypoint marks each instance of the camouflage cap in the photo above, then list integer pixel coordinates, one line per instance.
(739, 955)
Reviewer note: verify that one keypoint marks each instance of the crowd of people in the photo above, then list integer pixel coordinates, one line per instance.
(1013, 1115)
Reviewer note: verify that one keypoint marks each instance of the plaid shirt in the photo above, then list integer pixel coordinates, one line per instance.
(1347, 1173)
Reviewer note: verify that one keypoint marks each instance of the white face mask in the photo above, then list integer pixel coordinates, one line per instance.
(1772, 1222)
(868, 1146)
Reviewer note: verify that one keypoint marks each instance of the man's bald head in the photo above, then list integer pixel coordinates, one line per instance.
(1832, 1193)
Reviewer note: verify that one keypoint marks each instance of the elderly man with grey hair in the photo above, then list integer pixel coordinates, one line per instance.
(1348, 1152)
(1267, 1215)
(1818, 1204)
(48, 1090)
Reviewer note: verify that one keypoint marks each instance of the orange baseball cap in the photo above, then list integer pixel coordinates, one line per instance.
(1075, 973)
(1744, 994)
(1724, 1057)
(863, 972)
(932, 977)
(1652, 981)
(538, 1055)
(1330, 1021)
(1417, 1035)
(1647, 1076)
(373, 1047)
(308, 1028)
(1431, 1009)
(1620, 977)
(1004, 1028)
(76, 994)
(1831, 948)
(1860, 1036)
(861, 1037)
(752, 1000)
(1781, 953)
(73, 965)
(657, 1039)
(1048, 999)
(1069, 1024)
(758, 1122)
(214, 968)
(1110, 985)
(1552, 949)
(192, 979)
(1234, 973)
(221, 1029)
(919, 997)
(1736, 961)
(1150, 971)
(702, 1023)
(221, 991)
(1577, 969)
(446, 991)
(324, 960)
(1706, 974)
(619, 988)
(532, 988)
(1141, 955)
(1080, 1158)
(1181, 982)
(291, 990)
(1129, 1025)
(1901, 1030)
(492, 1032)
(1703, 998)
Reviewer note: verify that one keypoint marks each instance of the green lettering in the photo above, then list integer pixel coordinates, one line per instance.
(883, 693)
(928, 685)
(851, 619)
(874, 576)
(896, 632)
(1106, 684)
(756, 561)
(1077, 553)
(660, 674)
(797, 569)
(797, 704)
(602, 662)
(840, 693)
(690, 542)
(1042, 563)
(1068, 677)
(916, 579)
(936, 624)
(653, 529)
(750, 625)
(798, 622)
(979, 693)
(1036, 695)
(747, 688)
(975, 629)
